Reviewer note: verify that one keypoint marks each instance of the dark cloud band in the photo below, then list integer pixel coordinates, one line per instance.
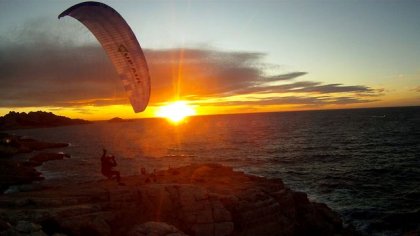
(45, 72)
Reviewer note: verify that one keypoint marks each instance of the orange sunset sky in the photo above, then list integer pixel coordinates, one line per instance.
(218, 56)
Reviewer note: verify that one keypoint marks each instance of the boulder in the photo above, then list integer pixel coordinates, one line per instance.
(152, 228)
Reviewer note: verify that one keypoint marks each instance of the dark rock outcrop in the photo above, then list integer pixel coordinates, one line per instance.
(198, 200)
(23, 228)
(14, 172)
(11, 144)
(40, 158)
(18, 172)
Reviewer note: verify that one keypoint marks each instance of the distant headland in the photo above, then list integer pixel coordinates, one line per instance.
(118, 119)
(38, 119)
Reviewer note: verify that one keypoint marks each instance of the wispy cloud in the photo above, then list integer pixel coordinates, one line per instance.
(294, 100)
(46, 70)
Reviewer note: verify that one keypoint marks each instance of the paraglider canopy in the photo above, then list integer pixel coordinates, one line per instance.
(121, 46)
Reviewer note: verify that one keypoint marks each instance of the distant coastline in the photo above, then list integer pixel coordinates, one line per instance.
(118, 120)
(38, 119)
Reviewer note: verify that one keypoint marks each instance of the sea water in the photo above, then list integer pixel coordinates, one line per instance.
(363, 163)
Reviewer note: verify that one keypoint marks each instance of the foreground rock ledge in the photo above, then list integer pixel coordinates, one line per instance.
(207, 199)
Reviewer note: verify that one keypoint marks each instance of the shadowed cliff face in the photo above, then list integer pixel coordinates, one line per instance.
(205, 199)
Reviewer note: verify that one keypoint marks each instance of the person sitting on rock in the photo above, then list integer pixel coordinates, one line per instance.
(108, 163)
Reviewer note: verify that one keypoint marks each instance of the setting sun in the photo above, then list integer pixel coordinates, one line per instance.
(176, 111)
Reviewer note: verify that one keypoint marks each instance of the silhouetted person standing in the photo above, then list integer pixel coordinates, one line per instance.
(107, 165)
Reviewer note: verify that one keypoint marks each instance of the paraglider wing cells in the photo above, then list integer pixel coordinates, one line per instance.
(121, 46)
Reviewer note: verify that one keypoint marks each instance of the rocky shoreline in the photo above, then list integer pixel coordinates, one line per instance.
(18, 172)
(206, 199)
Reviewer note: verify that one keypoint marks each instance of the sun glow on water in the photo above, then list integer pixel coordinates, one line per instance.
(176, 111)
